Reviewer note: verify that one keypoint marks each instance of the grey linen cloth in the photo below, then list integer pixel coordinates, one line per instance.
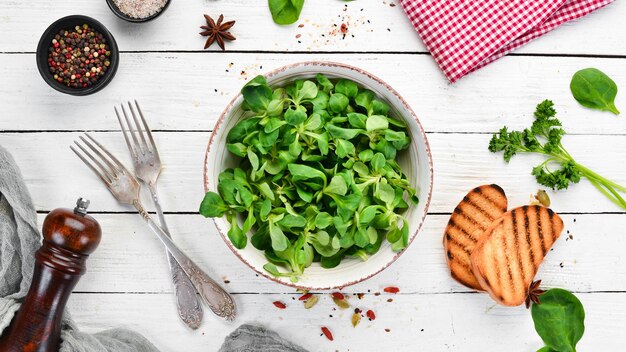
(20, 239)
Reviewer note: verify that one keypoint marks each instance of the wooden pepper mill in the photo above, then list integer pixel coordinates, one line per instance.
(68, 239)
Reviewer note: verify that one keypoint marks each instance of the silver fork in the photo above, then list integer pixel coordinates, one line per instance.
(125, 188)
(147, 163)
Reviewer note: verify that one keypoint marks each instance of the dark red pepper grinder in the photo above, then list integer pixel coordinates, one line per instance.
(69, 237)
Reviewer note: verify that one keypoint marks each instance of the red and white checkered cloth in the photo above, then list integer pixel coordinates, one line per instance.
(465, 35)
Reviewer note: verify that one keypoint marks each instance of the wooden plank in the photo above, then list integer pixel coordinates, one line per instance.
(188, 91)
(443, 322)
(131, 259)
(55, 176)
(373, 26)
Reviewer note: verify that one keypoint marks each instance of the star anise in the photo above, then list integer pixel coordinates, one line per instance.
(217, 32)
(533, 293)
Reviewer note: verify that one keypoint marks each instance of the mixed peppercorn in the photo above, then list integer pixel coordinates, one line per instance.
(78, 58)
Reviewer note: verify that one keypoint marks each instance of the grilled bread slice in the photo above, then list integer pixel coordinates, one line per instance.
(506, 259)
(478, 209)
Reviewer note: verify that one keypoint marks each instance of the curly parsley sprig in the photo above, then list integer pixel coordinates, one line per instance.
(544, 137)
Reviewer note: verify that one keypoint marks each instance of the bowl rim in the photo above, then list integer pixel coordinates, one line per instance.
(323, 64)
(42, 54)
(116, 10)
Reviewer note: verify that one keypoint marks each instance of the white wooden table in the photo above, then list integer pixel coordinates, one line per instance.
(183, 89)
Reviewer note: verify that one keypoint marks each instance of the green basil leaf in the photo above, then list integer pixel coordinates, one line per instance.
(285, 11)
(257, 94)
(250, 221)
(332, 261)
(347, 88)
(361, 237)
(344, 133)
(290, 221)
(303, 172)
(559, 319)
(236, 236)
(295, 117)
(304, 194)
(266, 207)
(373, 235)
(593, 89)
(364, 99)
(275, 107)
(254, 161)
(273, 124)
(546, 349)
(357, 120)
(379, 107)
(378, 162)
(343, 148)
(361, 169)
(338, 102)
(367, 215)
(337, 186)
(324, 82)
(272, 269)
(323, 244)
(242, 129)
(323, 220)
(366, 155)
(320, 103)
(295, 148)
(313, 122)
(266, 190)
(376, 122)
(213, 206)
(346, 206)
(268, 139)
(238, 149)
(307, 92)
(279, 240)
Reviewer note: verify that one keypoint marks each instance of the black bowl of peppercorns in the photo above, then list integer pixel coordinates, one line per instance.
(77, 55)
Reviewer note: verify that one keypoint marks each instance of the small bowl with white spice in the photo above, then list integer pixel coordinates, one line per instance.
(138, 11)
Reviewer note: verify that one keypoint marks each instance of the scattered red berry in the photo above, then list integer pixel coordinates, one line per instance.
(370, 314)
(344, 28)
(392, 289)
(327, 333)
(337, 295)
(279, 305)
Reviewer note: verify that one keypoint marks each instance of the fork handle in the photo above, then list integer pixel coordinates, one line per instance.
(220, 301)
(189, 306)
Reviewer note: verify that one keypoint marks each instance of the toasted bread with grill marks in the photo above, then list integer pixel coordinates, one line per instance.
(474, 214)
(507, 258)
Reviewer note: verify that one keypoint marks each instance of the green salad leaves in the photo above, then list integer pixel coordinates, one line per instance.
(560, 169)
(559, 320)
(318, 180)
(593, 89)
(287, 11)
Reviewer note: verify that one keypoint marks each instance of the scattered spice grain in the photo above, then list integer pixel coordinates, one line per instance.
(391, 289)
(327, 333)
(140, 8)
(279, 304)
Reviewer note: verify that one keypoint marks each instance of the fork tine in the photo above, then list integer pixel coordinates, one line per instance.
(112, 169)
(138, 126)
(146, 128)
(132, 132)
(102, 173)
(132, 150)
(120, 167)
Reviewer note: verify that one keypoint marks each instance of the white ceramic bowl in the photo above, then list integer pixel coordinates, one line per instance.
(416, 162)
